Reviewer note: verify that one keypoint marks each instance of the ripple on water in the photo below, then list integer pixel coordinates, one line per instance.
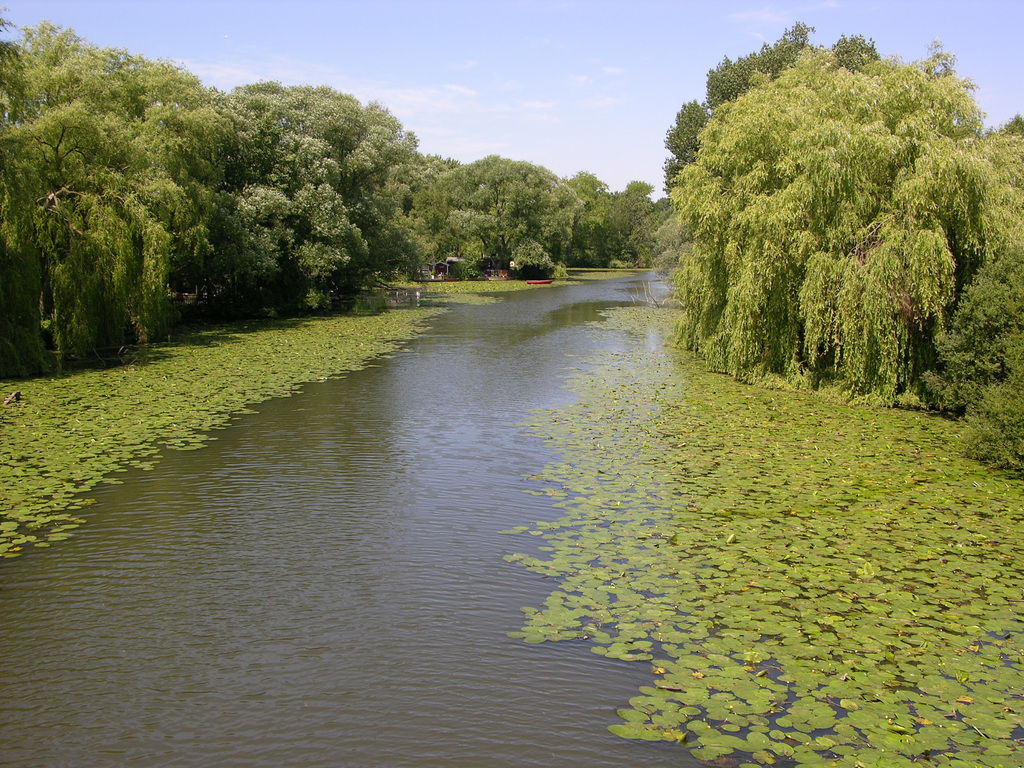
(324, 583)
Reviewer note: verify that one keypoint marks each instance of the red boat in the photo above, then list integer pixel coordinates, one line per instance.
(539, 282)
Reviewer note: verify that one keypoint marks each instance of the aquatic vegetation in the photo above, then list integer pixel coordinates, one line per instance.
(483, 291)
(812, 583)
(581, 274)
(441, 293)
(69, 433)
(440, 288)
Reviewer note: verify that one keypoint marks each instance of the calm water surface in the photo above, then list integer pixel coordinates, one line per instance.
(324, 584)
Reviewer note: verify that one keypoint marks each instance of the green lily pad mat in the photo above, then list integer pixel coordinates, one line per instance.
(811, 583)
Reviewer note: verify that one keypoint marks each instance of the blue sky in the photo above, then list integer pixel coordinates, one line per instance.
(580, 85)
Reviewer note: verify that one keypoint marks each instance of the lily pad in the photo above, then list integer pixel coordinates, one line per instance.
(810, 577)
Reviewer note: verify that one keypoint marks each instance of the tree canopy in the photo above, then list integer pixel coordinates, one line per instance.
(124, 181)
(983, 361)
(500, 210)
(21, 348)
(104, 151)
(131, 194)
(837, 216)
(731, 79)
(613, 228)
(308, 175)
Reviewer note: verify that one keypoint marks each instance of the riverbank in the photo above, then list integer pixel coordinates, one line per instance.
(809, 581)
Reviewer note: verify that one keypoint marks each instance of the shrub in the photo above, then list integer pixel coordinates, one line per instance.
(983, 357)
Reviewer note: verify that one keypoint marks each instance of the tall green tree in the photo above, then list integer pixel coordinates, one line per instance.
(632, 219)
(731, 79)
(502, 210)
(672, 243)
(590, 221)
(837, 216)
(683, 139)
(315, 203)
(612, 227)
(1014, 126)
(982, 353)
(21, 348)
(107, 145)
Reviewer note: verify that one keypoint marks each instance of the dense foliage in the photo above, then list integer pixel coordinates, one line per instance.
(837, 216)
(113, 148)
(500, 211)
(983, 352)
(311, 207)
(131, 194)
(731, 79)
(840, 214)
(108, 162)
(21, 349)
(613, 228)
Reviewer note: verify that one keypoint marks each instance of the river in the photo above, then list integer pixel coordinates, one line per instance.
(324, 584)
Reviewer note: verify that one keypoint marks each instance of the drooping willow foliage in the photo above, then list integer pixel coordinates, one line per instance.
(101, 175)
(837, 216)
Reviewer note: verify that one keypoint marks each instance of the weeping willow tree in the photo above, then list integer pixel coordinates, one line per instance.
(108, 147)
(21, 347)
(837, 216)
(21, 350)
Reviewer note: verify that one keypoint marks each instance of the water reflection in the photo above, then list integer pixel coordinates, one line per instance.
(324, 584)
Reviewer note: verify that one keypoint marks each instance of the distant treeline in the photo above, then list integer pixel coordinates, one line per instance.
(130, 193)
(846, 221)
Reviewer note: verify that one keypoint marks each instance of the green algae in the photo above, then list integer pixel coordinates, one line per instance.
(812, 583)
(587, 274)
(69, 433)
(460, 288)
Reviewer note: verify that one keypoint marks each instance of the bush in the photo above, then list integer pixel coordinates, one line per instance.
(464, 270)
(995, 425)
(532, 261)
(983, 357)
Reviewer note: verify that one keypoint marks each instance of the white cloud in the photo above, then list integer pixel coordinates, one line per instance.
(461, 90)
(405, 102)
(613, 70)
(602, 102)
(464, 148)
(229, 73)
(537, 104)
(534, 117)
(415, 102)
